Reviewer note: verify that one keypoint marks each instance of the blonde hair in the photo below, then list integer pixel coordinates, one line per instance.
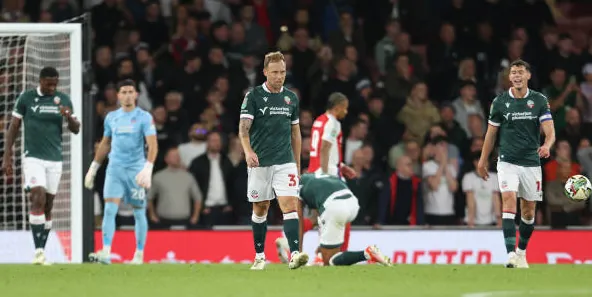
(273, 57)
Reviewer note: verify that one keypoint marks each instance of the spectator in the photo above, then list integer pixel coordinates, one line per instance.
(213, 172)
(477, 126)
(443, 56)
(177, 118)
(400, 80)
(403, 43)
(418, 114)
(306, 120)
(586, 105)
(565, 58)
(573, 132)
(483, 198)
(174, 191)
(235, 150)
(153, 27)
(561, 211)
(561, 94)
(456, 134)
(440, 185)
(367, 186)
(466, 105)
(401, 201)
(238, 44)
(563, 153)
(385, 49)
(355, 139)
(347, 34)
(196, 145)
(107, 19)
(254, 34)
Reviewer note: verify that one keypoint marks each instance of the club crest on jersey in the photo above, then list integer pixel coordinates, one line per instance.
(287, 100)
(530, 104)
(56, 100)
(33, 180)
(254, 194)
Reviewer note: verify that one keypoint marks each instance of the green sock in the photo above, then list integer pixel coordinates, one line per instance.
(37, 223)
(525, 230)
(259, 226)
(46, 231)
(509, 229)
(291, 230)
(347, 258)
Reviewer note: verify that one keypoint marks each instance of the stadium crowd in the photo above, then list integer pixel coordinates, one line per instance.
(420, 76)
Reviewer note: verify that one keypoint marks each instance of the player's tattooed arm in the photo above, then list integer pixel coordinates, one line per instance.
(103, 149)
(244, 126)
(296, 144)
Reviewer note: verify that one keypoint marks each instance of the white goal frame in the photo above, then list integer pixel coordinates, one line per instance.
(76, 72)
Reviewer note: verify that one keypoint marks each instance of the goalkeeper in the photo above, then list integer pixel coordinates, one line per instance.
(42, 111)
(129, 172)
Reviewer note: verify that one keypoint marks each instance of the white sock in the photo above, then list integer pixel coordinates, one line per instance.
(107, 249)
(520, 252)
(259, 255)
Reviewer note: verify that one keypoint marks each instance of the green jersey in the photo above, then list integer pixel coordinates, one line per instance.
(519, 120)
(42, 123)
(318, 188)
(273, 115)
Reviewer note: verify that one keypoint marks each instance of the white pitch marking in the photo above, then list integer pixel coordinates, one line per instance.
(529, 293)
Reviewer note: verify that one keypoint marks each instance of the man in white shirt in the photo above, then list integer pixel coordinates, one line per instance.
(483, 198)
(196, 145)
(440, 185)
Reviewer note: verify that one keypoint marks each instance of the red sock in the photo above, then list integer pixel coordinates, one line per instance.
(307, 225)
(346, 237)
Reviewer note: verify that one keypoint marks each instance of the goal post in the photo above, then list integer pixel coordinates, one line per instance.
(24, 50)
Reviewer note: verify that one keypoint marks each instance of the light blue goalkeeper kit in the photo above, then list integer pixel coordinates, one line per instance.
(127, 131)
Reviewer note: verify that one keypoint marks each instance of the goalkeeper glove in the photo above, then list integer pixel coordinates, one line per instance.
(144, 178)
(89, 179)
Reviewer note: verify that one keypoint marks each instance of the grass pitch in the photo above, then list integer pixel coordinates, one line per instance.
(178, 280)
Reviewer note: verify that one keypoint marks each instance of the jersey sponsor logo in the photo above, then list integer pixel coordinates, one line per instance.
(46, 109)
(506, 116)
(530, 104)
(280, 111)
(525, 115)
(34, 108)
(287, 99)
(263, 110)
(125, 129)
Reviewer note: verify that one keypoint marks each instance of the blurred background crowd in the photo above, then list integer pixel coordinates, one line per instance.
(420, 76)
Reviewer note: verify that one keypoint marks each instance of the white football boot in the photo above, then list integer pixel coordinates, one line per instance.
(521, 259)
(39, 258)
(259, 263)
(512, 260)
(138, 258)
(297, 260)
(374, 255)
(102, 257)
(283, 249)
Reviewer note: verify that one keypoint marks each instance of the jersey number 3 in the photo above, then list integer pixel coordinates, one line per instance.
(292, 182)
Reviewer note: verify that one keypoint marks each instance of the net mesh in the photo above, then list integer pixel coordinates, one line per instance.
(21, 59)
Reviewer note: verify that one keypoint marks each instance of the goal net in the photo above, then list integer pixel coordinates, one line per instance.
(24, 50)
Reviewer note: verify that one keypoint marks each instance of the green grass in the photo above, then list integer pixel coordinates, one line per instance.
(178, 280)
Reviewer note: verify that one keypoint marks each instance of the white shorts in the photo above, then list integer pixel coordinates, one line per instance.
(42, 173)
(525, 181)
(264, 182)
(338, 212)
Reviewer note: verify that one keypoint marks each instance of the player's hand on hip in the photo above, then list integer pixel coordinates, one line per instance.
(482, 169)
(544, 152)
(7, 165)
(252, 159)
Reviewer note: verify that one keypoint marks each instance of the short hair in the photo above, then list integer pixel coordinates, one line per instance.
(126, 83)
(48, 72)
(335, 99)
(520, 63)
(273, 57)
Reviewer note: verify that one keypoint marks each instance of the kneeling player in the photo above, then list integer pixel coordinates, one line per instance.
(337, 206)
(129, 172)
